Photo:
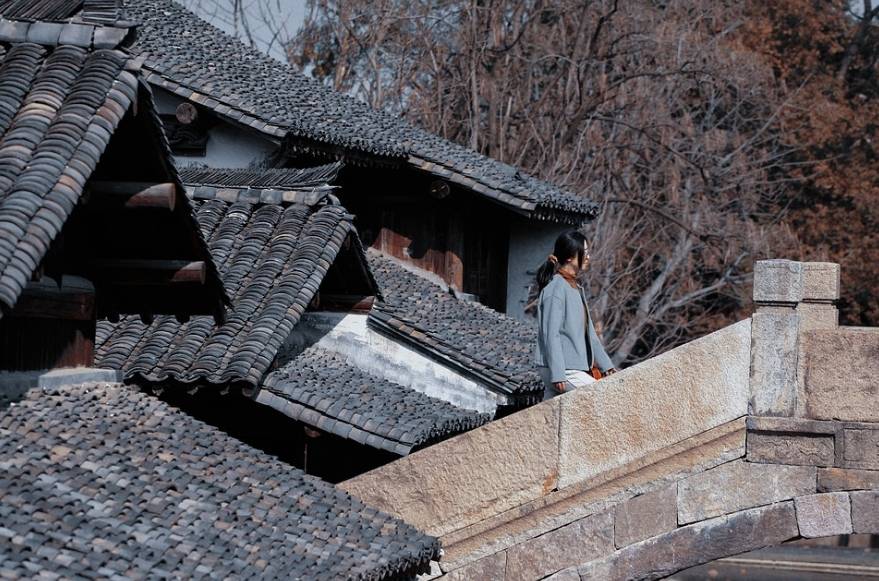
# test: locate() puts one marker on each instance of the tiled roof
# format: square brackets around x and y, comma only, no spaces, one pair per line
[270,186]
[106,481]
[322,389]
[101,11]
[58,110]
[199,62]
[272,259]
[489,346]
[276,178]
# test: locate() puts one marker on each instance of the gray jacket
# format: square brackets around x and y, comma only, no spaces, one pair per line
[561,331]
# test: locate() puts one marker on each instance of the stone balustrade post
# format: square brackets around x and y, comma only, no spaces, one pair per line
[790,298]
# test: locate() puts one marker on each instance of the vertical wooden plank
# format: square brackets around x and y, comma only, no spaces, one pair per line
[454,266]
[49,328]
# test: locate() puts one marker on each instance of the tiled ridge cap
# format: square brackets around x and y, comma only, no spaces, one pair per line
[322,389]
[63,33]
[306,196]
[237,113]
[387,322]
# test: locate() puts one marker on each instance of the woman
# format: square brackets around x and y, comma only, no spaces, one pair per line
[567,345]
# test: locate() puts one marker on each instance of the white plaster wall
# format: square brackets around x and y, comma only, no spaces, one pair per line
[227,146]
[366,349]
[530,243]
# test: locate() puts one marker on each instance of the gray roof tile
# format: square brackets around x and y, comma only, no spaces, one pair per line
[179,46]
[271,259]
[106,480]
[59,108]
[341,399]
[495,349]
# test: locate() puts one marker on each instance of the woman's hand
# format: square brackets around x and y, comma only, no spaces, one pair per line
[611,371]
[560,386]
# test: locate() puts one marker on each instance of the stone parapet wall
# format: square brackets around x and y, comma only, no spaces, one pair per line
[764,432]
[569,440]
[840,374]
[803,364]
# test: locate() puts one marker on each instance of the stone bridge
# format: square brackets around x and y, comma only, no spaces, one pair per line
[761,433]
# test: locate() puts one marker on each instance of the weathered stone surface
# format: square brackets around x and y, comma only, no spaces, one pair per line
[823,515]
[861,448]
[692,545]
[569,574]
[738,485]
[468,478]
[782,448]
[778,281]
[836,479]
[655,404]
[790,425]
[666,466]
[576,543]
[814,316]
[492,567]
[820,281]
[865,511]
[774,336]
[841,374]
[645,516]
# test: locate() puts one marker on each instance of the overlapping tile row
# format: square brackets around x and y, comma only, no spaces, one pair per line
[495,349]
[276,178]
[106,481]
[272,260]
[58,110]
[322,389]
[62,33]
[55,10]
[307,186]
[199,62]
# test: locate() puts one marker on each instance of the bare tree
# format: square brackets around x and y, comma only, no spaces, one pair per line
[647,107]
[867,15]
[268,25]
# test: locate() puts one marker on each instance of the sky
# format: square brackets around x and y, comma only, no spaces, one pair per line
[289,13]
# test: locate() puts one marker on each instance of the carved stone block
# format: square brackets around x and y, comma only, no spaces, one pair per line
[778,281]
[861,448]
[841,374]
[836,479]
[865,512]
[738,485]
[796,449]
[570,545]
[824,515]
[645,516]
[774,334]
[820,281]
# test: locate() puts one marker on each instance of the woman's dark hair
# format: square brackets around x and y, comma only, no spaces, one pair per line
[567,245]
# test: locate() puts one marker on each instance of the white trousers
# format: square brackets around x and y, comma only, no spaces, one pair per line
[574,378]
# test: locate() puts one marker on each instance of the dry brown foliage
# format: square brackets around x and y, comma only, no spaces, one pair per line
[645,108]
[714,132]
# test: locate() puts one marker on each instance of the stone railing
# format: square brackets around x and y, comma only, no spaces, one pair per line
[749,437]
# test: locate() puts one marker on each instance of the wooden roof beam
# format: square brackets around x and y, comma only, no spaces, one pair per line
[149,272]
[134,195]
